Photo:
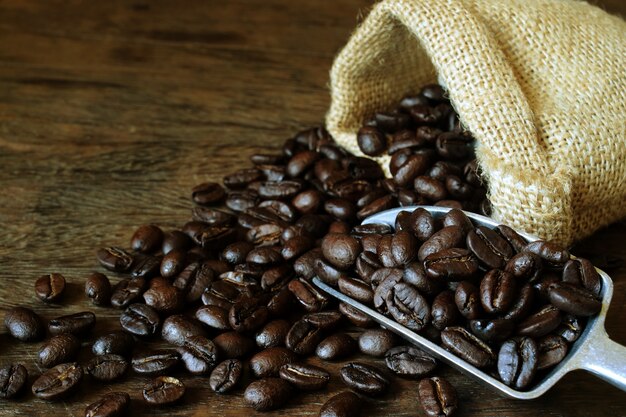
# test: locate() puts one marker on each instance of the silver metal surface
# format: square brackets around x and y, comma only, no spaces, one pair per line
[593,351]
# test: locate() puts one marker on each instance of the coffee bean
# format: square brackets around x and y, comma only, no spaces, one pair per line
[448,237]
[371,141]
[489,247]
[147,239]
[497,291]
[570,328]
[140,320]
[496,329]
[226,376]
[356,289]
[525,266]
[13,379]
[247,315]
[77,323]
[303,337]
[376,342]
[437,397]
[409,362]
[213,316]
[307,295]
[457,218]
[337,346]
[305,377]
[523,305]
[98,288]
[233,345]
[430,188]
[326,272]
[364,378]
[581,272]
[24,324]
[340,250]
[199,354]
[175,240]
[467,299]
[163,390]
[407,306]
[344,404]
[467,346]
[155,362]
[178,328]
[208,193]
[165,299]
[58,382]
[127,291]
[415,165]
[516,241]
[107,367]
[541,323]
[59,349]
[324,320]
[574,300]
[423,224]
[551,350]
[451,264]
[355,316]
[548,251]
[173,263]
[117,343]
[267,394]
[273,334]
[114,259]
[50,288]
[517,362]
[384,280]
[444,312]
[113,404]
[193,280]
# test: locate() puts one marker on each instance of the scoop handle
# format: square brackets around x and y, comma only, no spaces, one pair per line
[606,359]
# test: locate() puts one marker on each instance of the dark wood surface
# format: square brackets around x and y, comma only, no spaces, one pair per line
[110,111]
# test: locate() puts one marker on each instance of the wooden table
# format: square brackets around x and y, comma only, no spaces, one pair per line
[110,111]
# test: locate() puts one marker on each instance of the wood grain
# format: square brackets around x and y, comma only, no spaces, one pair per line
[111,111]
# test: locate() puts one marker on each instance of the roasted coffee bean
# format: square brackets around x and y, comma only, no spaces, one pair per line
[574,300]
[324,320]
[341,209]
[113,404]
[391,122]
[515,240]
[340,250]
[199,354]
[376,342]
[213,316]
[308,202]
[437,397]
[242,200]
[403,247]
[355,317]
[364,378]
[303,266]
[193,280]
[155,362]
[376,206]
[211,216]
[233,345]
[175,240]
[305,377]
[303,337]
[147,239]
[430,188]
[415,275]
[24,324]
[165,299]
[523,305]
[356,289]
[307,295]
[415,165]
[269,361]
[366,265]
[276,277]
[543,284]
[571,328]
[236,252]
[423,224]
[59,349]
[371,141]
[265,234]
[451,264]
[444,311]
[242,177]
[58,382]
[407,306]
[276,210]
[117,343]
[140,320]
[541,323]
[467,299]
[489,247]
[267,394]
[517,362]
[326,272]
[337,346]
[492,330]
[525,266]
[207,193]
[107,367]
[384,280]
[226,376]
[127,291]
[50,288]
[548,251]
[178,328]
[467,346]
[163,390]
[173,263]
[114,259]
[13,378]
[273,334]
[551,349]
[457,218]
[301,162]
[409,362]
[497,291]
[220,293]
[264,255]
[280,303]
[344,404]
[448,237]
[247,315]
[98,288]
[77,323]
[581,272]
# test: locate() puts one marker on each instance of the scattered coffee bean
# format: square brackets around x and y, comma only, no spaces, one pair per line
[13,378]
[113,404]
[337,346]
[77,323]
[116,343]
[50,288]
[226,376]
[147,239]
[59,349]
[24,324]
[409,362]
[377,342]
[344,404]
[58,382]
[305,377]
[364,378]
[98,288]
[269,361]
[437,397]
[163,390]
[267,394]
[156,362]
[107,367]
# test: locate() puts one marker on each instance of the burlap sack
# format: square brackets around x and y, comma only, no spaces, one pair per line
[540,83]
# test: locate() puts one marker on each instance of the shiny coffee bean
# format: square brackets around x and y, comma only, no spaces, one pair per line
[77,323]
[199,354]
[155,362]
[407,306]
[50,288]
[178,328]
[457,218]
[213,316]
[114,259]
[356,289]
[409,362]
[107,367]
[163,390]
[336,346]
[574,300]
[303,337]
[437,397]
[581,272]
[140,320]
[364,378]
[376,342]
[522,307]
[173,263]
[24,324]
[116,343]
[497,291]
[467,299]
[326,272]
[113,404]
[273,334]
[127,291]
[226,376]
[548,251]
[233,345]
[98,289]
[305,377]
[165,299]
[371,141]
[247,315]
[525,266]
[269,361]
[489,247]
[207,193]
[451,264]
[551,350]
[517,362]
[355,317]
[448,237]
[443,311]
[344,404]
[540,323]
[59,349]
[175,240]
[492,330]
[570,328]
[340,250]
[267,394]
[467,346]
[308,295]
[13,378]
[423,224]
[58,382]
[384,279]
[324,320]
[147,239]
[242,177]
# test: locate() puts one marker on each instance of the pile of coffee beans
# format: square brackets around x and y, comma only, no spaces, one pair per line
[231,291]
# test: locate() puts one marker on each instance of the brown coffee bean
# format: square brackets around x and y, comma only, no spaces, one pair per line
[208,193]
[213,316]
[355,317]
[147,239]
[517,362]
[371,141]
[496,329]
[550,252]
[233,345]
[551,350]
[163,390]
[340,250]
[344,404]
[364,378]
[50,288]
[409,362]
[582,272]
[376,342]
[267,394]
[356,289]
[437,397]
[467,346]
[489,247]
[305,377]
[173,263]
[155,362]
[114,259]
[140,320]
[574,300]
[444,311]
[107,367]
[307,295]
[58,382]
[117,343]
[273,334]
[59,349]
[541,323]
[448,237]
[303,337]
[451,264]
[467,299]
[336,346]
[178,328]
[113,404]
[226,376]
[98,289]
[24,324]
[423,224]
[77,323]
[497,291]
[13,378]
[165,299]
[127,291]
[199,354]
[247,315]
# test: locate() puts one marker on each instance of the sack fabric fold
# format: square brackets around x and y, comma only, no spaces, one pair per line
[541,85]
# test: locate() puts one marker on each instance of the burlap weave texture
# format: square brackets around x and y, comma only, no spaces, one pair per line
[541,84]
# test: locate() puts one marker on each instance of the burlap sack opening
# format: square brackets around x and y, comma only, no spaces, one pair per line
[541,84]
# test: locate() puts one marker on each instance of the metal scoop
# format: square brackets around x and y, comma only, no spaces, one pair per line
[593,351]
